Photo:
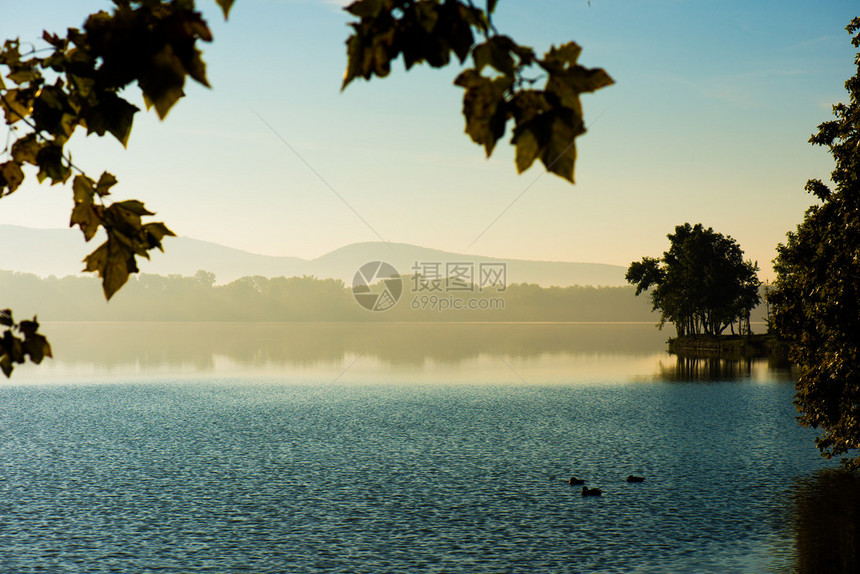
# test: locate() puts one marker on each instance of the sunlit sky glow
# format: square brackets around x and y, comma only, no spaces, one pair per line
[708,121]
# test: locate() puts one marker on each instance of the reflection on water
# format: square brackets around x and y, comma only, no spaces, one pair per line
[711,369]
[826,517]
[311,343]
[349,352]
[326,350]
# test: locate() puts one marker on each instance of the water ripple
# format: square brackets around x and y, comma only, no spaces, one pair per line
[199,477]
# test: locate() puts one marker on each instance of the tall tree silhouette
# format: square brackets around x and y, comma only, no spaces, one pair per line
[816,296]
[702,284]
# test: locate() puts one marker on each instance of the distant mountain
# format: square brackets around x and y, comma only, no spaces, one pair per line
[59,252]
[342,263]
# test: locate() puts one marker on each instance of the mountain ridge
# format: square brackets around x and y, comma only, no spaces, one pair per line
[60,252]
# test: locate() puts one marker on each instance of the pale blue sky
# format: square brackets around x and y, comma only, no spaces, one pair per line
[708,121]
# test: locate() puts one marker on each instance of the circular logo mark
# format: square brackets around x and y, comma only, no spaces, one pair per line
[377,286]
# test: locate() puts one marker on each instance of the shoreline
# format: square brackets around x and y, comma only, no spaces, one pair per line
[729,346]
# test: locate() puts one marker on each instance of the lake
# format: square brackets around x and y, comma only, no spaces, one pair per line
[408,448]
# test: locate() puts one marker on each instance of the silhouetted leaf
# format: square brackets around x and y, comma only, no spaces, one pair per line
[495,52]
[527,149]
[567,80]
[14,349]
[456,23]
[370,50]
[28,328]
[425,31]
[15,104]
[559,155]
[95,261]
[561,57]
[52,164]
[113,114]
[106,181]
[24,76]
[198,27]
[113,261]
[225,6]
[52,113]
[162,81]
[25,149]
[484,107]
[6,365]
[11,176]
[86,217]
[37,347]
[83,189]
[155,232]
[132,206]
[528,104]
[365,8]
[53,39]
[196,68]
[569,84]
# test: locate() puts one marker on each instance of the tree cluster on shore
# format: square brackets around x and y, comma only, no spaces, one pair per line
[702,284]
[198,298]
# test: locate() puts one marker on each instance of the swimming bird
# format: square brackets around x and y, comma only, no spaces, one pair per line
[591,491]
[632,478]
[575,481]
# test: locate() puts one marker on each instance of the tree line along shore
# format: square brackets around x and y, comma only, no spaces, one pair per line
[307,298]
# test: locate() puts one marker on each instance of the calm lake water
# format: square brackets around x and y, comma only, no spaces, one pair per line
[408,448]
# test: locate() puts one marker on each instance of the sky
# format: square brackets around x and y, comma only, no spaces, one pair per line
[708,122]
